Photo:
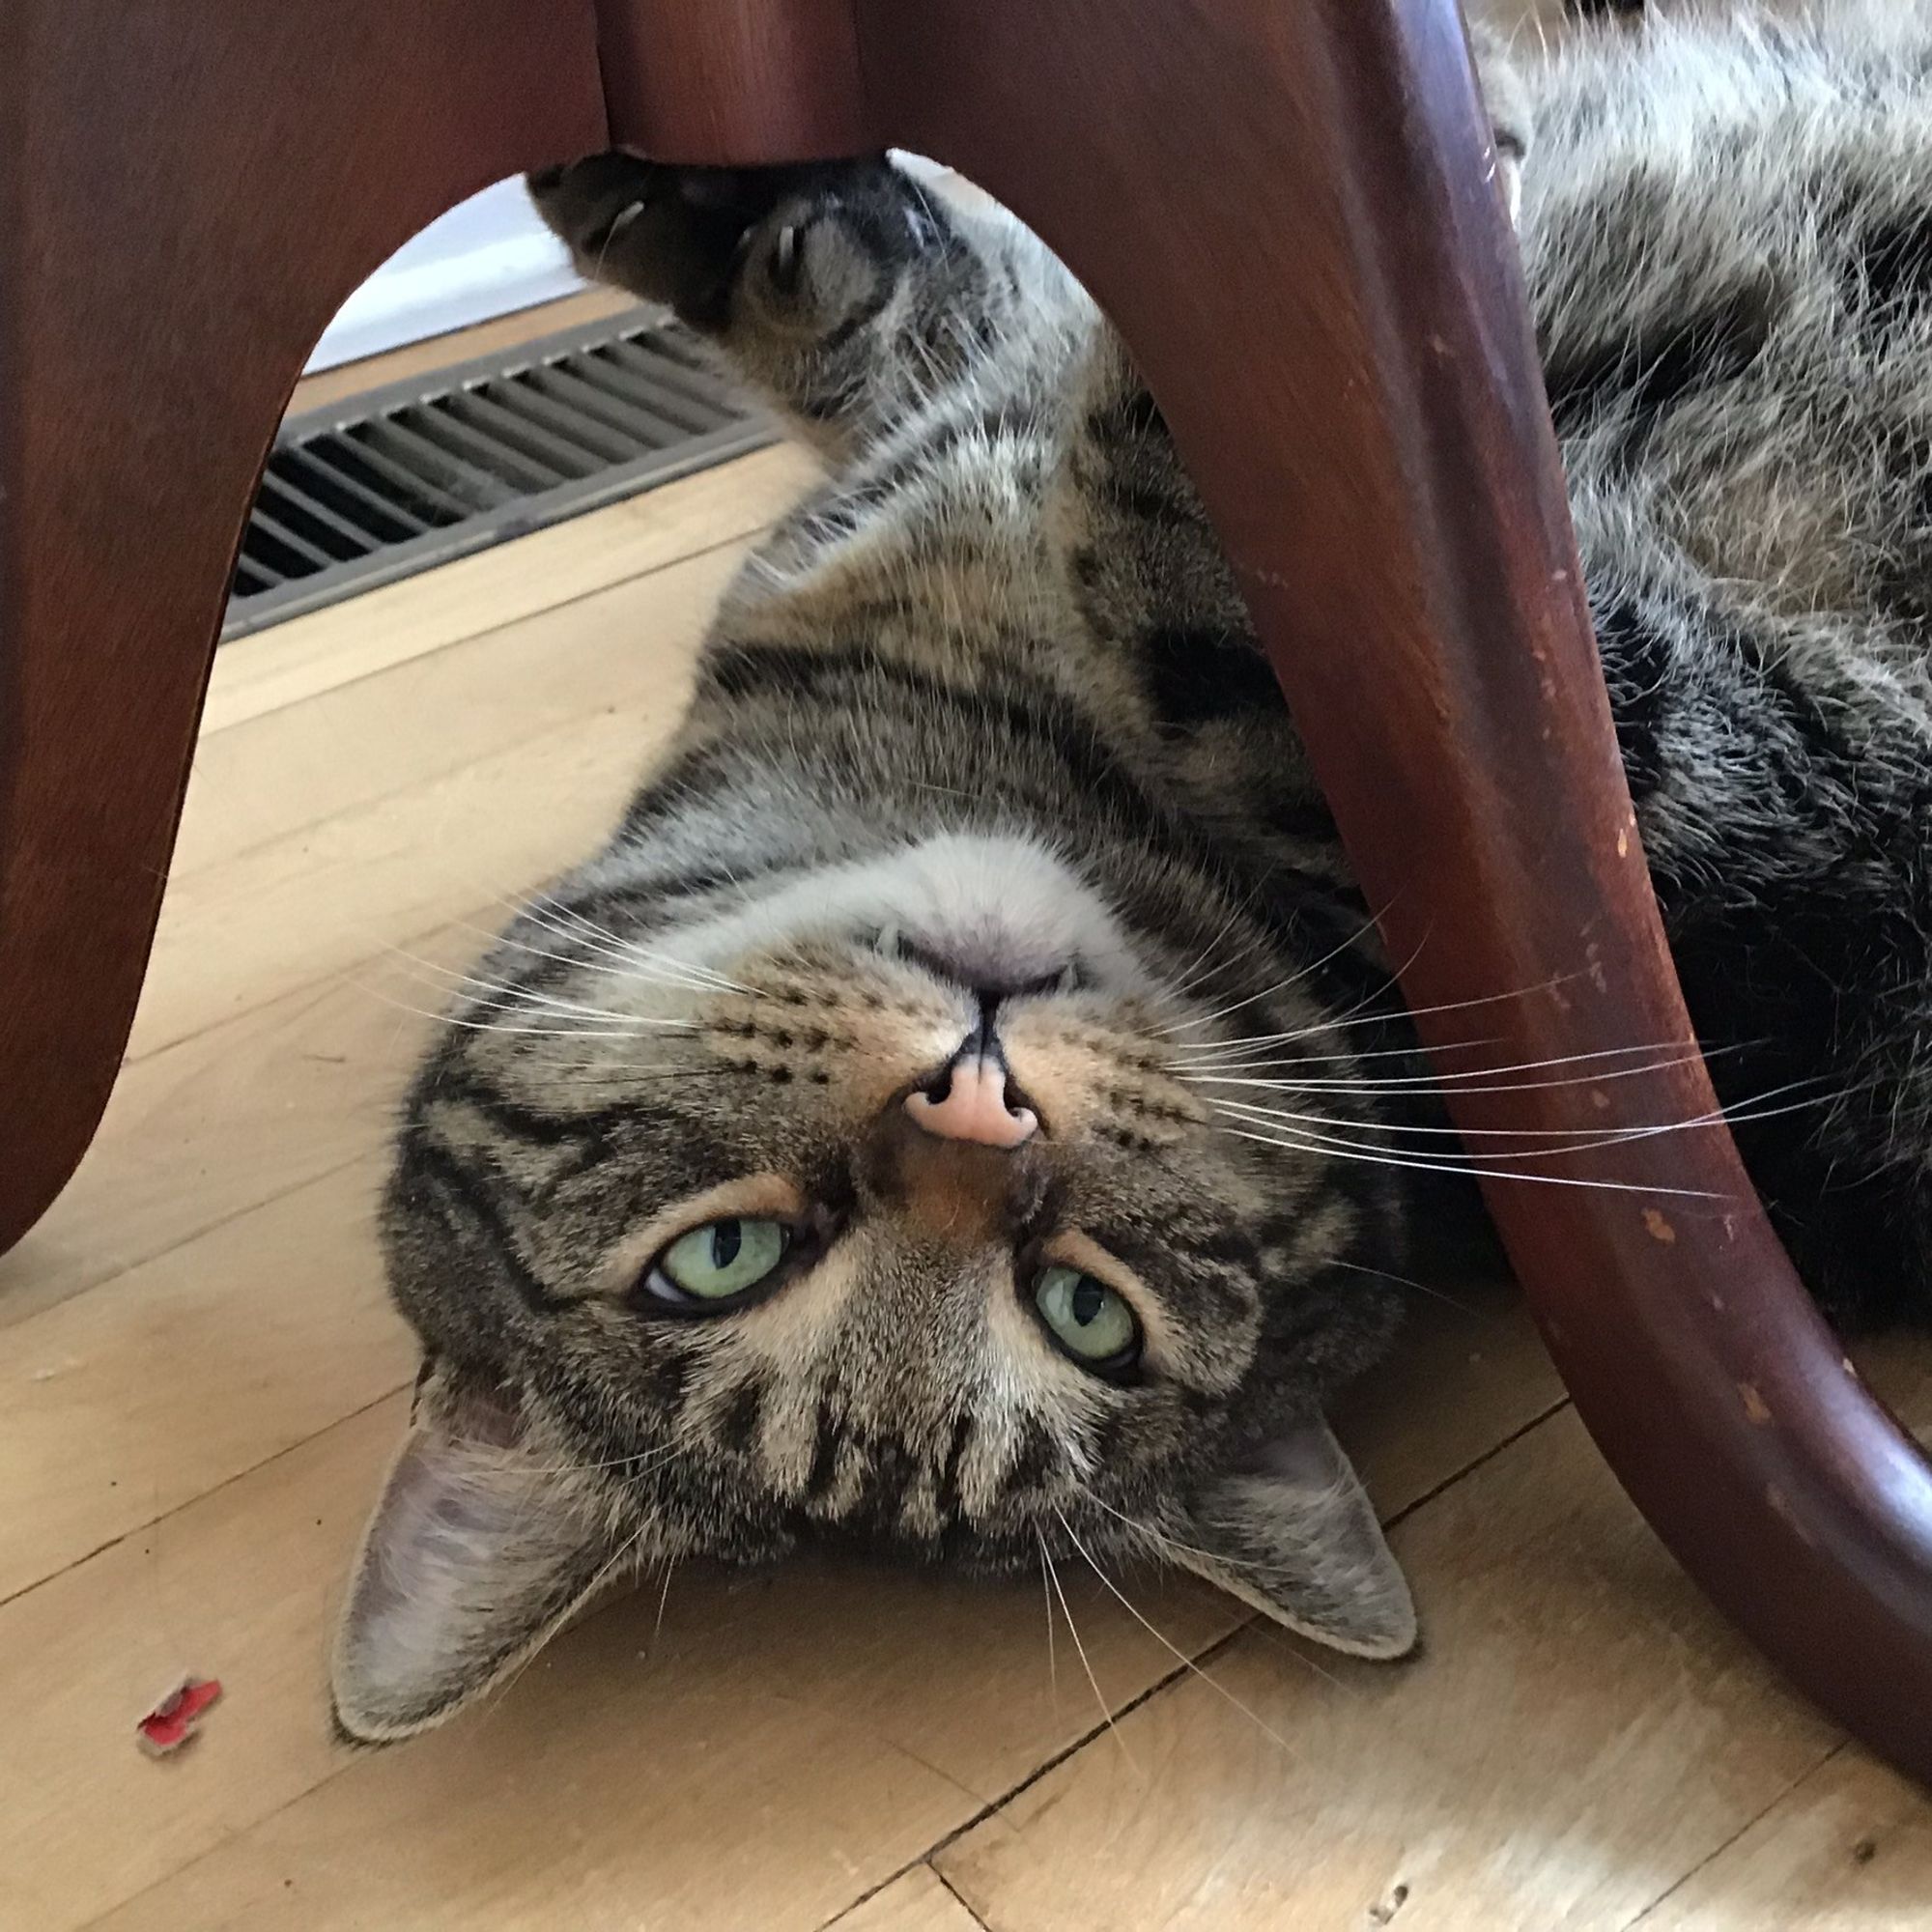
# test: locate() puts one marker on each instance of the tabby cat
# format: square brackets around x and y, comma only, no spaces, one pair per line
[963,1111]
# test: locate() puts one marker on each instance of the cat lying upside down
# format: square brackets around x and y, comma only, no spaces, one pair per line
[964,1111]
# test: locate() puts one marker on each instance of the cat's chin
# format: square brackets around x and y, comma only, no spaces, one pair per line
[983,910]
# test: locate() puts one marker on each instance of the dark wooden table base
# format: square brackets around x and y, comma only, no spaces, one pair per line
[1288,209]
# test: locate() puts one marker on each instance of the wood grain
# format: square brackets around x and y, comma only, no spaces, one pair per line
[736,80]
[1847,1850]
[408,861]
[374,736]
[192,187]
[917,1902]
[118,1408]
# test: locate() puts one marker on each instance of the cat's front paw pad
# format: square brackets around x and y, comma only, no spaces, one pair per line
[809,265]
[642,227]
[588,204]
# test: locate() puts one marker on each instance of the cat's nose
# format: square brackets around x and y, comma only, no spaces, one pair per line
[973,1100]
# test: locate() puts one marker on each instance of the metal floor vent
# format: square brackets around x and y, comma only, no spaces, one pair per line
[392,481]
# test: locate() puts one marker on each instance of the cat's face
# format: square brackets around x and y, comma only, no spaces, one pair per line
[870,1208]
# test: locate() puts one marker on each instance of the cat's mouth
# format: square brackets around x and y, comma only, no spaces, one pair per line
[990,964]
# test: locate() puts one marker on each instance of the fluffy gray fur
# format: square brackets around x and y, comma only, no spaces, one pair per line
[981,735]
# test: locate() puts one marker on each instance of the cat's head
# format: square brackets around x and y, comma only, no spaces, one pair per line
[869,1208]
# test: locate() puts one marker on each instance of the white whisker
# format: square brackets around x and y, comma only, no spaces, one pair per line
[635,1031]
[1074,1631]
[629,954]
[1207,1677]
[1321,1027]
[1166,1542]
[1420,1288]
[498,989]
[1300,973]
[663,1598]
[1687,1053]
[1567,1140]
[660,969]
[1349,1150]
[1052,1650]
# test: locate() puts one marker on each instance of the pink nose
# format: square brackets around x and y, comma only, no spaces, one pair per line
[974,1108]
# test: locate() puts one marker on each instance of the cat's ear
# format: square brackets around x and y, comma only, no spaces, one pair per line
[479,1548]
[1292,1533]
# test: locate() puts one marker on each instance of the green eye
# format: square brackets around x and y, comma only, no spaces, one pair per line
[1087,1318]
[719,1261]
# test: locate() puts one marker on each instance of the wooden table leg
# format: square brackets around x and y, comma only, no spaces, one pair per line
[187,190]
[1286,209]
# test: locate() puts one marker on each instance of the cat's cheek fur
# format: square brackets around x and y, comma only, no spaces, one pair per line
[481,1547]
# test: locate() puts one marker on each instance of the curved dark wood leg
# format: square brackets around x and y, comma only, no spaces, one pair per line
[187,190]
[1286,209]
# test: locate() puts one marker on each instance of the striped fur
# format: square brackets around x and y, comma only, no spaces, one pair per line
[985,712]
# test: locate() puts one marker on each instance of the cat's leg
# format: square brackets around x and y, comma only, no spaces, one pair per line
[843,291]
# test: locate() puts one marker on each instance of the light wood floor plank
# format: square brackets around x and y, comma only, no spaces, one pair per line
[221,1124]
[116,1408]
[1848,1850]
[236,1587]
[372,737]
[335,897]
[917,1902]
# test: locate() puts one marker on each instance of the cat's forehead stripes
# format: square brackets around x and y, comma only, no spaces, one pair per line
[918,774]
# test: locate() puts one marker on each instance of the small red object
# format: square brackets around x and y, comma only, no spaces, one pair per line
[171,1723]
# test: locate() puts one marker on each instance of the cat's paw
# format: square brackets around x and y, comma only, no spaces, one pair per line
[800,242]
[669,234]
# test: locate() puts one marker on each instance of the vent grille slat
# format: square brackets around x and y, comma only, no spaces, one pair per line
[547,459]
[686,376]
[655,395]
[312,520]
[382,519]
[498,467]
[644,427]
[357,452]
[423,472]
[433,464]
[278,537]
[577,428]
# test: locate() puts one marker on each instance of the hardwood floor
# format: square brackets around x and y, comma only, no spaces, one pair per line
[200,1382]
